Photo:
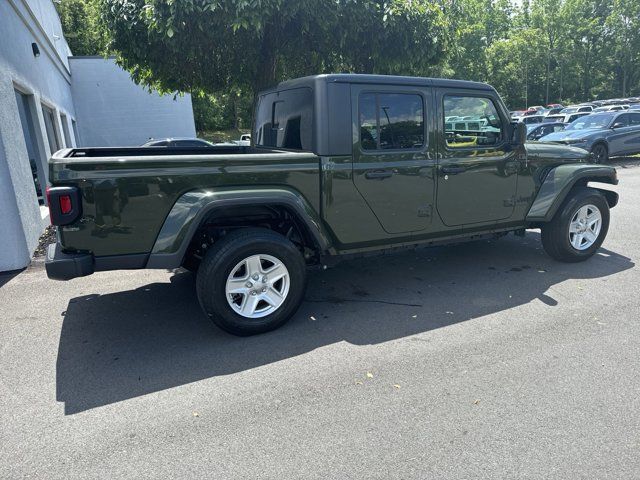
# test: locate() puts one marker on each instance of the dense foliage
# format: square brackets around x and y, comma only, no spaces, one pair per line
[532,51]
[83,30]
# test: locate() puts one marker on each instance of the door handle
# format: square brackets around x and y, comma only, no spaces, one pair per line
[378,174]
[453,170]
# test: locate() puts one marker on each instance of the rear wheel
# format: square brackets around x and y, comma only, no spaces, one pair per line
[600,153]
[578,228]
[251,281]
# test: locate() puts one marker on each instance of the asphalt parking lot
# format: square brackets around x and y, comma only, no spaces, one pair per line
[484,360]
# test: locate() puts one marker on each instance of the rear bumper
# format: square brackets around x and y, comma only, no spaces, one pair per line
[65,266]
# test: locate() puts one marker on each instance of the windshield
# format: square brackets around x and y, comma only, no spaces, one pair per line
[570,110]
[591,121]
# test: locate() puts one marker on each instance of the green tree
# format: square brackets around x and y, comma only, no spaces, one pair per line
[589,38]
[210,45]
[624,23]
[517,67]
[475,25]
[82,28]
[547,17]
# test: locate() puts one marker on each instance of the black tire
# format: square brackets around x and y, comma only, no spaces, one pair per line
[600,153]
[555,234]
[224,256]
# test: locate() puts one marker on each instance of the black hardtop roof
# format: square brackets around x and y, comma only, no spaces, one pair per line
[310,81]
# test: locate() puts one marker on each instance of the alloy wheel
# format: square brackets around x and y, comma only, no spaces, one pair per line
[585,227]
[257,286]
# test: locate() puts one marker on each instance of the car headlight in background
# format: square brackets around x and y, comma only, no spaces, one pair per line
[575,141]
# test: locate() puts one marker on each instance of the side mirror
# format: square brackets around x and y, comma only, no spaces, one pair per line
[518,133]
[617,125]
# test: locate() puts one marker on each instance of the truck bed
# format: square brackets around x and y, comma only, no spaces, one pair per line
[127,192]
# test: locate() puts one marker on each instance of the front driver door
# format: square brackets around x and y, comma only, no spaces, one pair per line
[393,168]
[477,170]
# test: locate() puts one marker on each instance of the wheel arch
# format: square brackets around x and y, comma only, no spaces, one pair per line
[561,180]
[600,141]
[195,209]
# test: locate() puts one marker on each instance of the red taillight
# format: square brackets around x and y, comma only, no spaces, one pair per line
[65,204]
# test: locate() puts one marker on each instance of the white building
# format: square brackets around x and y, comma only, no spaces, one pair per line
[50,100]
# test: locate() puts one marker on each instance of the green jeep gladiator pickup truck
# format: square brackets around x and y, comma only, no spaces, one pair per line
[340,165]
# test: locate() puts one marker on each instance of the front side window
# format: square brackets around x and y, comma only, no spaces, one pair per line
[621,121]
[634,119]
[284,119]
[391,121]
[483,126]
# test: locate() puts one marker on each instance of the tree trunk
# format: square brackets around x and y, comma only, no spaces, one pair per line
[546,97]
[266,68]
[234,107]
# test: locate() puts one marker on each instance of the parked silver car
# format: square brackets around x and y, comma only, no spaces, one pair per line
[535,131]
[565,118]
[576,109]
[528,120]
[605,134]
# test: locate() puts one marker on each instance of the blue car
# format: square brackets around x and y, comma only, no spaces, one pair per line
[537,131]
[605,134]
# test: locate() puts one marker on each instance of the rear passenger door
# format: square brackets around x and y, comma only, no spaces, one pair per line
[393,168]
[634,138]
[477,170]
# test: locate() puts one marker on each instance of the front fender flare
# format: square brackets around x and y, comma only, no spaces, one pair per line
[559,181]
[192,207]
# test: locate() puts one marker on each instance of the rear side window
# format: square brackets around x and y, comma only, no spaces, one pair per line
[485,128]
[391,121]
[285,120]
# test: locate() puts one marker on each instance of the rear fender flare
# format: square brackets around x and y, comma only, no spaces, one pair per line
[559,182]
[193,207]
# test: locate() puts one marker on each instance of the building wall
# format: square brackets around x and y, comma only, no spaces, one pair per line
[44,79]
[88,101]
[112,110]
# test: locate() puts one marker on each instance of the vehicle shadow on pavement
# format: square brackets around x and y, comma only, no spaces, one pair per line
[6,277]
[119,346]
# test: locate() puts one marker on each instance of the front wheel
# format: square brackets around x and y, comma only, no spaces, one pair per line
[600,153]
[578,228]
[251,281]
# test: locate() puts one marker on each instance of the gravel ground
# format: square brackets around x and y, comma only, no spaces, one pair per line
[486,360]
[47,237]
